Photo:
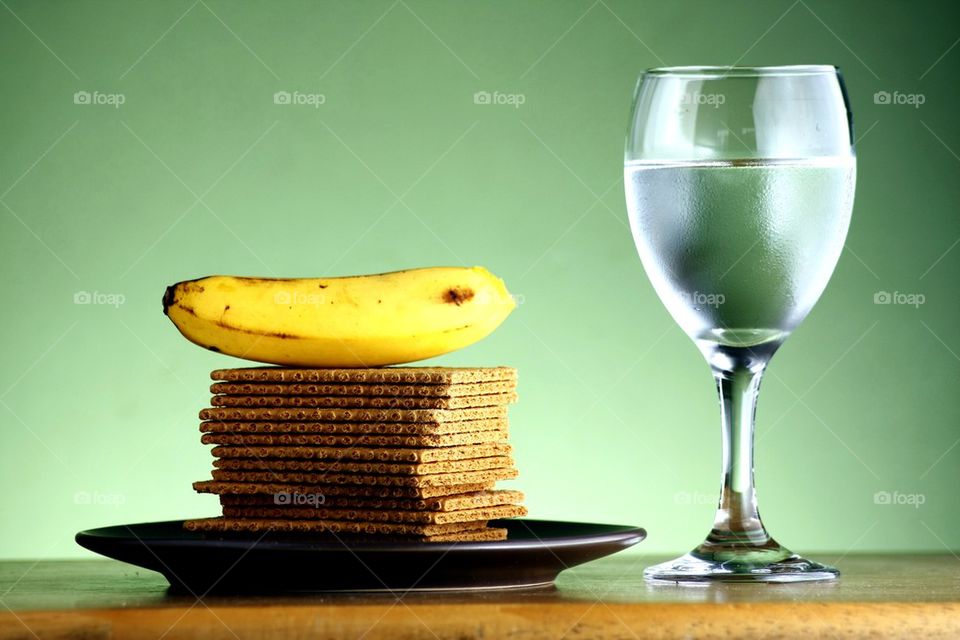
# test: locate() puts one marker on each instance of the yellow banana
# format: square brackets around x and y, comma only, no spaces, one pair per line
[358,321]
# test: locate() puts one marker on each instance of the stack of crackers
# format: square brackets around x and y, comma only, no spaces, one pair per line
[408,453]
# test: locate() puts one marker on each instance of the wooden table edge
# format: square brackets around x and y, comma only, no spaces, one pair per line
[536,620]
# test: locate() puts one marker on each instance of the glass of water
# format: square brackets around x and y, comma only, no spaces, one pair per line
[739,183]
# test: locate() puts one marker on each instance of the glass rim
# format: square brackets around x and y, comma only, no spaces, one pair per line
[743,72]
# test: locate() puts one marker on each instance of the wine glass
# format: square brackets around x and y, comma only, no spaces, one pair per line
[739,183]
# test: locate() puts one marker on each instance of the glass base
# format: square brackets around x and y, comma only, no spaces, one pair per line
[739,567]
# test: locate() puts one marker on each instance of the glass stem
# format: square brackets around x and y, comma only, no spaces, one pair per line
[737,524]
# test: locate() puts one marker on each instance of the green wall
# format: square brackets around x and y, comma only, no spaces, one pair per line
[199,172]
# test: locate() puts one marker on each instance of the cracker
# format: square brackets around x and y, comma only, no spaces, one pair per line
[471,500]
[261,525]
[363,390]
[357,539]
[448,440]
[435,416]
[475,535]
[480,535]
[378,375]
[344,491]
[379,454]
[377,515]
[364,428]
[284,476]
[388,468]
[363,402]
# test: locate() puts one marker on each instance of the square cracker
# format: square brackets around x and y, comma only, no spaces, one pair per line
[362,402]
[344,491]
[479,535]
[448,440]
[379,454]
[347,428]
[455,502]
[485,534]
[474,535]
[376,375]
[376,515]
[434,416]
[261,525]
[306,389]
[351,466]
[284,476]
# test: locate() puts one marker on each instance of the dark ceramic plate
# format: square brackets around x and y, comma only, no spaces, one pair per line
[534,552]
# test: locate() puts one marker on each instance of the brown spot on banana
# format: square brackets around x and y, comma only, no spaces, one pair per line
[187,286]
[229,327]
[191,286]
[254,332]
[466,326]
[458,295]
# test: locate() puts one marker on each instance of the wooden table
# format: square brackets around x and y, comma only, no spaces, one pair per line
[899,596]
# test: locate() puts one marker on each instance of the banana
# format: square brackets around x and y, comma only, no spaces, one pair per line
[357,321]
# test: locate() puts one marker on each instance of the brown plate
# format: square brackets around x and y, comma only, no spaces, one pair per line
[533,554]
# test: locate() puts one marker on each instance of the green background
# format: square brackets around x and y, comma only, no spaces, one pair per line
[199,172]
